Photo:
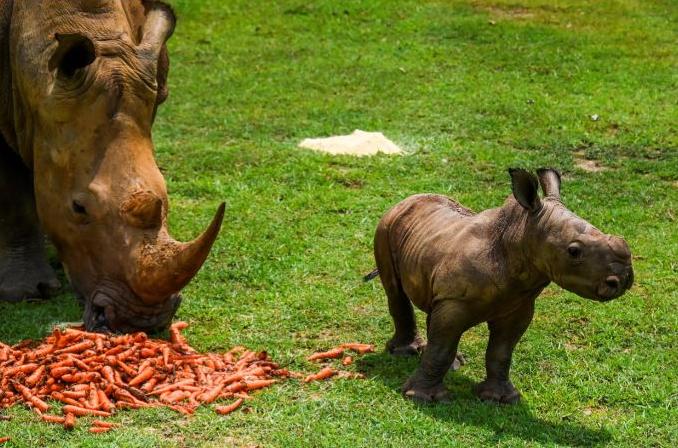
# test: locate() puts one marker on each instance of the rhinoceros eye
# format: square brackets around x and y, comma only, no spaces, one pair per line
[574,251]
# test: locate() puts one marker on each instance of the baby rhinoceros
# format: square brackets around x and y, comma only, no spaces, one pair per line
[463,268]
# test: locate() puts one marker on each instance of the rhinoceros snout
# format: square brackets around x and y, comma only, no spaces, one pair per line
[615,285]
[117,309]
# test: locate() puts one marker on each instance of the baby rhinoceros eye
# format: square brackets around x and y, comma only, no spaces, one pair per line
[574,251]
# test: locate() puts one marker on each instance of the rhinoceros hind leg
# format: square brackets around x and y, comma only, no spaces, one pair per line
[406,340]
[24,270]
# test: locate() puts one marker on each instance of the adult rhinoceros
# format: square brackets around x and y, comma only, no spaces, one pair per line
[80,82]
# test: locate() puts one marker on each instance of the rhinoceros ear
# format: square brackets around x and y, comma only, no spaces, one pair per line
[550,182]
[525,189]
[159,26]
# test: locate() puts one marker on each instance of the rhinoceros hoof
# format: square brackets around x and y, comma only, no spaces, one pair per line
[426,394]
[21,282]
[398,347]
[498,391]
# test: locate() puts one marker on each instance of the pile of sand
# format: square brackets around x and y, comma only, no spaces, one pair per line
[359,143]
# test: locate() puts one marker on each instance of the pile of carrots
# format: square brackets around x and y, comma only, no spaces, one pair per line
[336,353]
[91,374]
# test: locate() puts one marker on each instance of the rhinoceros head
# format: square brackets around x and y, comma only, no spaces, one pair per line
[88,77]
[567,249]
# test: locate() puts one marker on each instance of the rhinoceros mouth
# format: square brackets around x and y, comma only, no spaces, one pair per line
[114,308]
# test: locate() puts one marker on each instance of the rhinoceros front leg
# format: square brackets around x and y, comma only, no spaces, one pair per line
[24,271]
[504,335]
[446,323]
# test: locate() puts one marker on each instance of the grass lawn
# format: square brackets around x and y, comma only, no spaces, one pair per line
[469,88]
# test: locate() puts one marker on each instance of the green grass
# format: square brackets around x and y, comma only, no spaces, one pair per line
[469,88]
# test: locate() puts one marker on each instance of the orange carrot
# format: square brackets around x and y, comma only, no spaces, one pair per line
[175,333]
[210,395]
[149,385]
[177,395]
[360,348]
[69,421]
[223,410]
[323,374]
[93,399]
[127,369]
[236,387]
[75,393]
[104,424]
[104,402]
[165,355]
[36,376]
[147,352]
[258,384]
[98,429]
[53,418]
[80,377]
[77,348]
[99,342]
[330,354]
[347,361]
[26,368]
[58,372]
[107,372]
[28,396]
[5,439]
[179,325]
[169,387]
[142,377]
[81,412]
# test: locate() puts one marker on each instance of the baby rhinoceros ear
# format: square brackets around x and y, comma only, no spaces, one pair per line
[525,189]
[550,182]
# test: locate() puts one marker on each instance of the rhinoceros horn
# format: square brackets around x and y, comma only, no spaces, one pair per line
[165,266]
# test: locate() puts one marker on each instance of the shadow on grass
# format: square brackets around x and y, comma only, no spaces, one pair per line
[34,319]
[465,409]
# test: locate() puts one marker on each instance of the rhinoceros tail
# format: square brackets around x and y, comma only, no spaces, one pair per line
[371,276]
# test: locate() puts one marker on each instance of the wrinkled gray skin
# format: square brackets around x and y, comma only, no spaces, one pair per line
[463,269]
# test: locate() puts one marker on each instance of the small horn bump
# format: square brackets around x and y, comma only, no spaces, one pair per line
[142,209]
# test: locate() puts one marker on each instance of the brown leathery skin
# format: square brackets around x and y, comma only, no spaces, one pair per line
[84,79]
[464,268]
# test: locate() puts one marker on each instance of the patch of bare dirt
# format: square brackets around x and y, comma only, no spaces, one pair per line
[588,165]
[498,12]
[508,12]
